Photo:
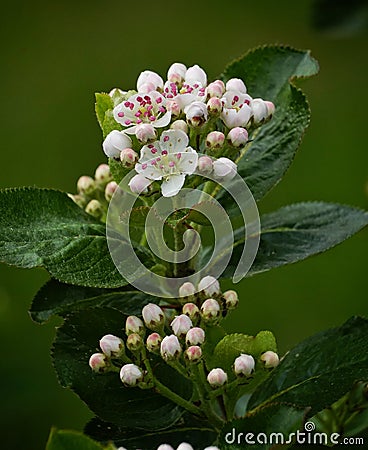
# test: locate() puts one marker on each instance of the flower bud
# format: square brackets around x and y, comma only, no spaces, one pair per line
[215,139]
[153,342]
[165,447]
[98,362]
[195,336]
[115,142]
[214,106]
[128,158]
[231,299]
[209,285]
[224,169]
[149,80]
[185,446]
[176,73]
[260,111]
[174,107]
[179,125]
[139,184]
[191,310]
[133,324]
[217,377]
[205,165]
[170,347]
[130,374]
[187,289]
[181,325]
[153,316]
[193,353]
[270,359]
[145,132]
[134,342]
[94,208]
[210,309]
[112,346]
[244,365]
[215,89]
[211,448]
[103,174]
[86,185]
[110,190]
[196,113]
[270,108]
[235,84]
[238,137]
[196,74]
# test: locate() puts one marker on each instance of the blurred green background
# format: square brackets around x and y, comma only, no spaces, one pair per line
[55,55]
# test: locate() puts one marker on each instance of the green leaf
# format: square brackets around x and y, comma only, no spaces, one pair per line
[319,370]
[256,431]
[110,124]
[117,170]
[298,231]
[72,440]
[104,394]
[61,299]
[268,73]
[45,228]
[192,430]
[103,103]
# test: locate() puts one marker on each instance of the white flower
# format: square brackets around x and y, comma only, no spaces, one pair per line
[170,347]
[236,111]
[236,84]
[259,111]
[181,325]
[231,299]
[145,132]
[169,159]
[244,365]
[217,377]
[112,345]
[128,158]
[210,309]
[209,285]
[205,165]
[153,342]
[196,74]
[142,109]
[130,374]
[165,447]
[193,353]
[224,169]
[134,324]
[149,81]
[191,310]
[115,142]
[187,289]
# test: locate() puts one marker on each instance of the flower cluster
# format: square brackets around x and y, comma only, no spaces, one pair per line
[174,120]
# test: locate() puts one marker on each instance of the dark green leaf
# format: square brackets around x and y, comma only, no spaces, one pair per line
[319,370]
[105,395]
[59,298]
[72,440]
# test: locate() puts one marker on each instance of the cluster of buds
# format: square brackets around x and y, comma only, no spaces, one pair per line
[182,446]
[95,193]
[173,119]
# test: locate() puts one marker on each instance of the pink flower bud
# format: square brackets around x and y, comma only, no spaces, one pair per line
[191,310]
[231,299]
[210,309]
[217,377]
[196,113]
[235,84]
[94,208]
[115,142]
[128,158]
[86,185]
[181,325]
[244,365]
[145,132]
[179,125]
[139,184]
[133,324]
[153,342]
[185,446]
[270,108]
[193,353]
[149,79]
[170,347]
[174,107]
[215,139]
[110,190]
[195,336]
[259,111]
[176,73]
[196,74]
[134,342]
[165,447]
[224,169]
[238,136]
[112,346]
[270,359]
[211,448]
[205,165]
[153,316]
[214,106]
[130,374]
[209,285]
[103,174]
[186,289]
[98,362]
[215,89]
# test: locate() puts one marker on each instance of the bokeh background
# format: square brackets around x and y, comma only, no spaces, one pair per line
[55,55]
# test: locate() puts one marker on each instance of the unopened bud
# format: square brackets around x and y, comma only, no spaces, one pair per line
[134,324]
[174,107]
[215,140]
[179,125]
[231,299]
[224,169]
[244,365]
[86,185]
[205,165]
[153,316]
[191,310]
[130,374]
[209,285]
[212,448]
[165,447]
[187,289]
[94,208]
[270,359]
[181,325]
[210,309]
[193,353]
[112,346]
[115,142]
[270,108]
[110,190]
[196,74]
[196,113]
[185,446]
[128,158]
[145,132]
[139,184]
[215,89]
[149,81]
[238,137]
[235,84]
[259,111]
[214,106]
[170,347]
[217,377]
[98,362]
[153,342]
[134,342]
[103,174]
[195,336]
[176,73]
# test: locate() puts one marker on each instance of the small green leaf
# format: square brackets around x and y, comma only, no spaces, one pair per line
[72,440]
[103,103]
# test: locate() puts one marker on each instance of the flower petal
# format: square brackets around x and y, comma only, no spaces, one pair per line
[162,121]
[174,141]
[172,185]
[188,161]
